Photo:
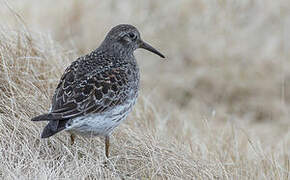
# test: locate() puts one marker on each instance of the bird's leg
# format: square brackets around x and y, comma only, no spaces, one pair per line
[72,138]
[107,142]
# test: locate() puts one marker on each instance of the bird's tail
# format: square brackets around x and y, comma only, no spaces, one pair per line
[45,117]
[52,128]
[55,125]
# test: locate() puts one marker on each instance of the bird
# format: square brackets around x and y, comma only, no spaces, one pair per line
[98,90]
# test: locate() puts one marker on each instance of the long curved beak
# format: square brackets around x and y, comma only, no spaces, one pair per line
[146,46]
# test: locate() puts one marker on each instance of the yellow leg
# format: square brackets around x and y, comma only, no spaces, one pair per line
[107,142]
[72,138]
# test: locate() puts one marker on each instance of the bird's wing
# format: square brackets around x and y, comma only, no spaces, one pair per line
[78,95]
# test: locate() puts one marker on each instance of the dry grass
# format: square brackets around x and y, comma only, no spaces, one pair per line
[218,108]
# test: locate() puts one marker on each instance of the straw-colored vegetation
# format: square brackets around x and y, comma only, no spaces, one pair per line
[217,108]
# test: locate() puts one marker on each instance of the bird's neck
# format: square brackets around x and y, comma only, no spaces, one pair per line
[117,50]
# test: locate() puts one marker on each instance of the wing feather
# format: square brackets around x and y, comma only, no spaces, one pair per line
[80,94]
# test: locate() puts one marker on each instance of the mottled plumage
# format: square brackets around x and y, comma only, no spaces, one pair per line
[97,91]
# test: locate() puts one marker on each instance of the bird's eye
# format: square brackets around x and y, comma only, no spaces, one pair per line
[132,36]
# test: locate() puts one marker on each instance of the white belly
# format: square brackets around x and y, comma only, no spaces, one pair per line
[100,124]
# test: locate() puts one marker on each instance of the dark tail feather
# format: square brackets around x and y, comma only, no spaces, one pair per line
[45,117]
[52,128]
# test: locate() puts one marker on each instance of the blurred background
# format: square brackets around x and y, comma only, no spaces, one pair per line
[227,61]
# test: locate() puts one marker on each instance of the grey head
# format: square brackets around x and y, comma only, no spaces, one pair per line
[125,39]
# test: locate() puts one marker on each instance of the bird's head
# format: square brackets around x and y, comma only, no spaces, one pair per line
[126,39]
